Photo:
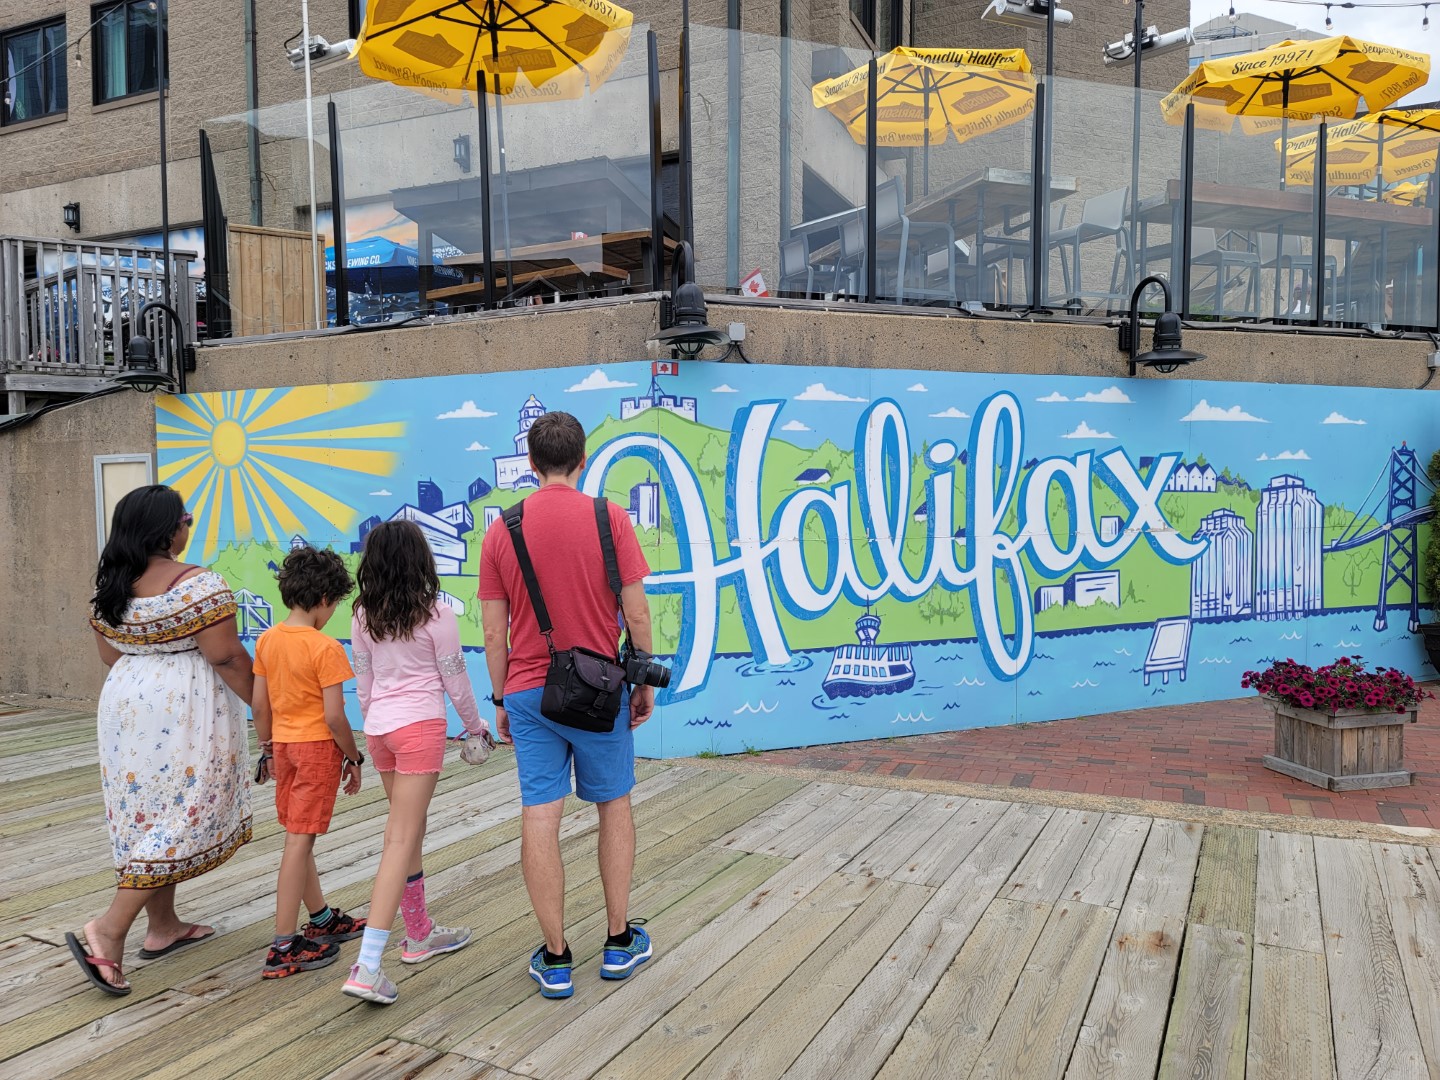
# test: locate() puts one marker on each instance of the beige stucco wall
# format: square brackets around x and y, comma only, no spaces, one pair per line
[47,529]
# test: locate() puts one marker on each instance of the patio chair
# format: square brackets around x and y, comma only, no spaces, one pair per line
[1284,257]
[1102,216]
[891,222]
[1230,267]
[796,273]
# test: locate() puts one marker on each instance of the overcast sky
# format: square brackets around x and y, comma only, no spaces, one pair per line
[1392,26]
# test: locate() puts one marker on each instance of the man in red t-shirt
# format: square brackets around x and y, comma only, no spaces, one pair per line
[564,545]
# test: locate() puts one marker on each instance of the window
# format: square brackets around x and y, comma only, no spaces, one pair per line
[357,17]
[126,58]
[880,19]
[116,475]
[32,72]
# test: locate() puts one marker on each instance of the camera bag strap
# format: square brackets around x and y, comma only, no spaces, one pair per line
[513,517]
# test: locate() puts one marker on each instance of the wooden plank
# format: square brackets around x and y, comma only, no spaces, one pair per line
[773,1035]
[936,861]
[1041,876]
[1289,1016]
[1412,896]
[455,1067]
[953,1027]
[1375,1031]
[45,762]
[580,1048]
[1125,1024]
[120,1027]
[1036,1031]
[1102,876]
[755,834]
[830,815]
[699,1023]
[1287,897]
[1225,879]
[384,1061]
[910,834]
[866,1028]
[1206,1033]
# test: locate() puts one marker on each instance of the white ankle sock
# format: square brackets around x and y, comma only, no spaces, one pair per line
[371,946]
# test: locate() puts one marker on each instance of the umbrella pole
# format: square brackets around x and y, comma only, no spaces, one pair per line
[487,246]
[925,120]
[504,181]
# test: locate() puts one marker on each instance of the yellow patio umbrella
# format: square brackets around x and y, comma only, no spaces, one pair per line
[1407,193]
[1391,145]
[921,94]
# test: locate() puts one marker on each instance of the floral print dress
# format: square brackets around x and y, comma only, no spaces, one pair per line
[174,757]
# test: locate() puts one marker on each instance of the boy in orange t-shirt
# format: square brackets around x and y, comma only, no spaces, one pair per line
[306,744]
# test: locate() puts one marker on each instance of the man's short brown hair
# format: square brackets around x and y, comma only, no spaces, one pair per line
[557,444]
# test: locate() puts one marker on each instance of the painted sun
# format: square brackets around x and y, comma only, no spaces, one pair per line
[258,461]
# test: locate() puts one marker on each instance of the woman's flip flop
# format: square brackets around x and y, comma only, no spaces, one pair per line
[91,965]
[187,938]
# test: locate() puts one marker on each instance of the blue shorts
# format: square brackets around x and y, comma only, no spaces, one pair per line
[604,762]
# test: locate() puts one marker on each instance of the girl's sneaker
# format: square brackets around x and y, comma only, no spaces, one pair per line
[441,940]
[340,928]
[370,985]
[554,979]
[302,954]
[618,961]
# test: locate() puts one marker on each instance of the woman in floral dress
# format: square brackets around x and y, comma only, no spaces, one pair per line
[173,752]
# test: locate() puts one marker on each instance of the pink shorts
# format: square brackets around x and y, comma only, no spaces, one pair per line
[413,749]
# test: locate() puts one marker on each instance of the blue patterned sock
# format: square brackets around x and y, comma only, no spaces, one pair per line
[371,946]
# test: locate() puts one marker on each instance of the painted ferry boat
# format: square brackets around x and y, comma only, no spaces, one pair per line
[868,669]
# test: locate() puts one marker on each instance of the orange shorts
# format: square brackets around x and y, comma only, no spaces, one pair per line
[307,778]
[415,749]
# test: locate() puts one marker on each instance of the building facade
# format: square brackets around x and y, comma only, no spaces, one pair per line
[1222,581]
[1289,576]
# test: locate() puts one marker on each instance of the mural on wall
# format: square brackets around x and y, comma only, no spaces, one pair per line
[842,554]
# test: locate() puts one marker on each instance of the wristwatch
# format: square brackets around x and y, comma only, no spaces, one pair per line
[497,700]
[358,763]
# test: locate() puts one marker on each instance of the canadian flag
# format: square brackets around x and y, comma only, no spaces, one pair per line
[752,284]
[665,367]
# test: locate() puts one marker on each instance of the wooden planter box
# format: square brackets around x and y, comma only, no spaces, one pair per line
[1343,751]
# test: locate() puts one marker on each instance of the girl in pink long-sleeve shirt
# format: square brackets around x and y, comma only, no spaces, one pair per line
[406,646]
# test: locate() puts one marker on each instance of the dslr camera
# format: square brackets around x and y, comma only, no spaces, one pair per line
[642,669]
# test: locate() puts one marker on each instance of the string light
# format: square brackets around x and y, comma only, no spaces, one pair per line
[1328,24]
[1425,22]
[1233,16]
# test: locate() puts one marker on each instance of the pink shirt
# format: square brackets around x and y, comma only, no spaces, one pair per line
[402,682]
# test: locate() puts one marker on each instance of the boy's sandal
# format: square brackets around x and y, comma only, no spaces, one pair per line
[91,965]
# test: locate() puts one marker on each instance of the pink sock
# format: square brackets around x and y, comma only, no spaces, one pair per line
[412,909]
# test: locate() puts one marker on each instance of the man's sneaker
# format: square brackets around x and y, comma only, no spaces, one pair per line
[554,979]
[302,954]
[442,940]
[370,985]
[617,962]
[341,928]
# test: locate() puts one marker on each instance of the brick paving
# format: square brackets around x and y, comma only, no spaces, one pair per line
[1203,755]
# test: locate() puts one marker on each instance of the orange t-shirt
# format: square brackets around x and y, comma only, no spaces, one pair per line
[297,663]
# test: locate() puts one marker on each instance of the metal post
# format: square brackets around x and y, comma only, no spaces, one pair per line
[162,74]
[734,82]
[1432,200]
[1050,39]
[310,152]
[252,105]
[337,219]
[1317,251]
[1039,256]
[785,119]
[687,191]
[1187,209]
[871,163]
[1043,298]
[1135,256]
[657,229]
[487,248]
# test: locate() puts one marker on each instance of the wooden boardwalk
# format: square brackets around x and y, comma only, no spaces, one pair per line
[802,929]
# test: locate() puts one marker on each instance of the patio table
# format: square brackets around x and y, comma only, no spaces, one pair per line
[606,259]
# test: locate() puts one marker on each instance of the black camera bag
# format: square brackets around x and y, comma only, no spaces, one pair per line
[583,689]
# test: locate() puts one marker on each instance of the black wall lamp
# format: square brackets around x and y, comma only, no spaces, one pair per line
[462,152]
[1167,352]
[141,372]
[682,313]
[71,213]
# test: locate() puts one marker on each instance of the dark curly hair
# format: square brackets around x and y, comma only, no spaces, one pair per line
[398,583]
[309,578]
[144,523]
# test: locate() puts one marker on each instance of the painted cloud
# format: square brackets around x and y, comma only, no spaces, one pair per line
[1053,397]
[382,493]
[1111,395]
[476,446]
[818,391]
[597,380]
[794,425]
[1085,431]
[951,413]
[468,411]
[918,388]
[1336,418]
[723,388]
[1205,411]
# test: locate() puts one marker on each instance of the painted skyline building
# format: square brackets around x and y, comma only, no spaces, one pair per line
[1289,576]
[512,472]
[1222,581]
[657,399]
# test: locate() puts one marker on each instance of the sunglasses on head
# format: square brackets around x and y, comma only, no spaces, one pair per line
[187,518]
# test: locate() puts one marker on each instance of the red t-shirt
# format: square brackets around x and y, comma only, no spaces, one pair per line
[564,545]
